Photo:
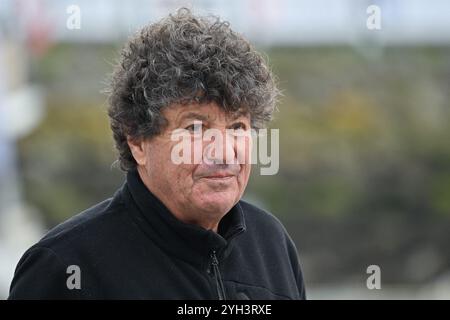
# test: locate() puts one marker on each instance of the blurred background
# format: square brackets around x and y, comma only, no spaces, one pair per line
[364,173]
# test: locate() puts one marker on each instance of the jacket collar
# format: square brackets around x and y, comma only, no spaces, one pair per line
[188,242]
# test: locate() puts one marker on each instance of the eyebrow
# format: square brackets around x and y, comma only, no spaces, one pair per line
[198,116]
[192,115]
[237,114]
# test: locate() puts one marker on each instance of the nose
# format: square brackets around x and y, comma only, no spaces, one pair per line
[220,148]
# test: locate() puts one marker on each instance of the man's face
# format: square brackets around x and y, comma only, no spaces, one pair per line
[200,190]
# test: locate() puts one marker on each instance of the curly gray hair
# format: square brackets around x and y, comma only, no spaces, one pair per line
[181,59]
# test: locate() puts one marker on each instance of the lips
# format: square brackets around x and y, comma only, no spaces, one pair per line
[217,171]
[219,176]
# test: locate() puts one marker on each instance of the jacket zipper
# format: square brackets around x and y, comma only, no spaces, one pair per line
[219,284]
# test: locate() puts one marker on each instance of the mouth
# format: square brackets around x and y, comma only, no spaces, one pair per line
[217,173]
[219,177]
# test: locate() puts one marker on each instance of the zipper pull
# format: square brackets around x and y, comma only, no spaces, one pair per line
[215,262]
[219,284]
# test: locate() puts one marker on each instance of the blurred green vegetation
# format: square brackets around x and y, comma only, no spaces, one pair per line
[361,135]
[71,165]
[364,151]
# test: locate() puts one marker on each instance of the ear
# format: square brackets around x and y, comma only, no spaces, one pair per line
[138,148]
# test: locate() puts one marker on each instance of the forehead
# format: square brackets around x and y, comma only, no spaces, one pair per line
[205,112]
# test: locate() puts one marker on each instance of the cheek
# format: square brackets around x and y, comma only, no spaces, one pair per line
[164,170]
[184,173]
[197,147]
[243,151]
[178,174]
[243,148]
[244,174]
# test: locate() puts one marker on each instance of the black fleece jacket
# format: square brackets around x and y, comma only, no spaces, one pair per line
[132,247]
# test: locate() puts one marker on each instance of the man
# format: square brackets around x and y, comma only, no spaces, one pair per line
[175,230]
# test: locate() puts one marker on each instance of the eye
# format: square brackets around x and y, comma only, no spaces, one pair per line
[238,125]
[196,127]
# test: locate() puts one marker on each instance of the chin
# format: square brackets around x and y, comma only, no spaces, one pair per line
[216,202]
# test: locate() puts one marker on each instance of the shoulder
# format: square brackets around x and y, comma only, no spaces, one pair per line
[91,226]
[263,227]
[261,219]
[265,231]
[42,270]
